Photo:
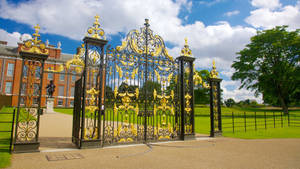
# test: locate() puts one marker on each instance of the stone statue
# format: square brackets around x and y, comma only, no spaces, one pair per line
[50,89]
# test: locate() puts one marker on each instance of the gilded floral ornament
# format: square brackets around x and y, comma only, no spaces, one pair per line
[59,69]
[92,107]
[77,62]
[186,51]
[136,42]
[34,45]
[198,80]
[95,31]
[213,72]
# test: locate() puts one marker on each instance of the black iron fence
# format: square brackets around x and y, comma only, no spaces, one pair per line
[246,121]
[7,120]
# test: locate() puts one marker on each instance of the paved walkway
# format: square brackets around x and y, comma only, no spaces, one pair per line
[206,153]
[55,131]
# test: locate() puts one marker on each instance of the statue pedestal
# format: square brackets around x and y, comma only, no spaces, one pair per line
[50,104]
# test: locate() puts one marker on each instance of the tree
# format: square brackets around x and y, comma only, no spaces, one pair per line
[229,102]
[269,65]
[150,86]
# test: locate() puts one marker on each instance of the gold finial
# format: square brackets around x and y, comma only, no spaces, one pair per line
[213,72]
[186,42]
[37,28]
[186,51]
[97,20]
[34,45]
[95,31]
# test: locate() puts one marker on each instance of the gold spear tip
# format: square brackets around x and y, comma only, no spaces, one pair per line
[214,63]
[186,42]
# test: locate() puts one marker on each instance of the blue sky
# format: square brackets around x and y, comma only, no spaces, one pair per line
[216,29]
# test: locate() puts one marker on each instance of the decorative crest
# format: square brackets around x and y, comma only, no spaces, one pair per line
[95,31]
[213,72]
[186,51]
[136,42]
[34,45]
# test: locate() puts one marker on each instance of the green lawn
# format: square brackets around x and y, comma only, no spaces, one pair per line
[202,123]
[64,110]
[4,154]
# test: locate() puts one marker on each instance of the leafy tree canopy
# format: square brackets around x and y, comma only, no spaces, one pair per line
[269,65]
[229,102]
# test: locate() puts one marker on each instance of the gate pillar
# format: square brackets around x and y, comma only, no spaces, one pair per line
[93,87]
[33,54]
[187,123]
[215,103]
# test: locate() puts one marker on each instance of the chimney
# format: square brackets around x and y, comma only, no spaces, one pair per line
[4,43]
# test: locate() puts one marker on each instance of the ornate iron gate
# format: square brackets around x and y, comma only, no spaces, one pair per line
[77,112]
[34,54]
[141,91]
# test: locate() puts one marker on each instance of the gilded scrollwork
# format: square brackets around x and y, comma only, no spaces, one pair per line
[91,131]
[142,88]
[186,51]
[213,72]
[126,132]
[136,41]
[215,106]
[76,62]
[35,45]
[27,124]
[95,31]
[198,80]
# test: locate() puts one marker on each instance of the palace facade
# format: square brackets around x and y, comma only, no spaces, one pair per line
[10,73]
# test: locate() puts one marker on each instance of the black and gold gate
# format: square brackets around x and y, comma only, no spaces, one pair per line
[142,91]
[135,93]
[34,54]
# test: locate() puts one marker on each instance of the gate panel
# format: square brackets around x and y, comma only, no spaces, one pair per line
[77,112]
[164,98]
[122,119]
[141,95]
[92,89]
[34,54]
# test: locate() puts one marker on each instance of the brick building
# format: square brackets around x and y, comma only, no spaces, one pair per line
[10,72]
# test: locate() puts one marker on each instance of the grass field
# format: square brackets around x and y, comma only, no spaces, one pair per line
[202,122]
[4,153]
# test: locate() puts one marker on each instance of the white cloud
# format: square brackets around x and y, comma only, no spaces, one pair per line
[185,3]
[71,18]
[267,18]
[11,38]
[210,3]
[232,13]
[270,4]
[236,93]
[228,72]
